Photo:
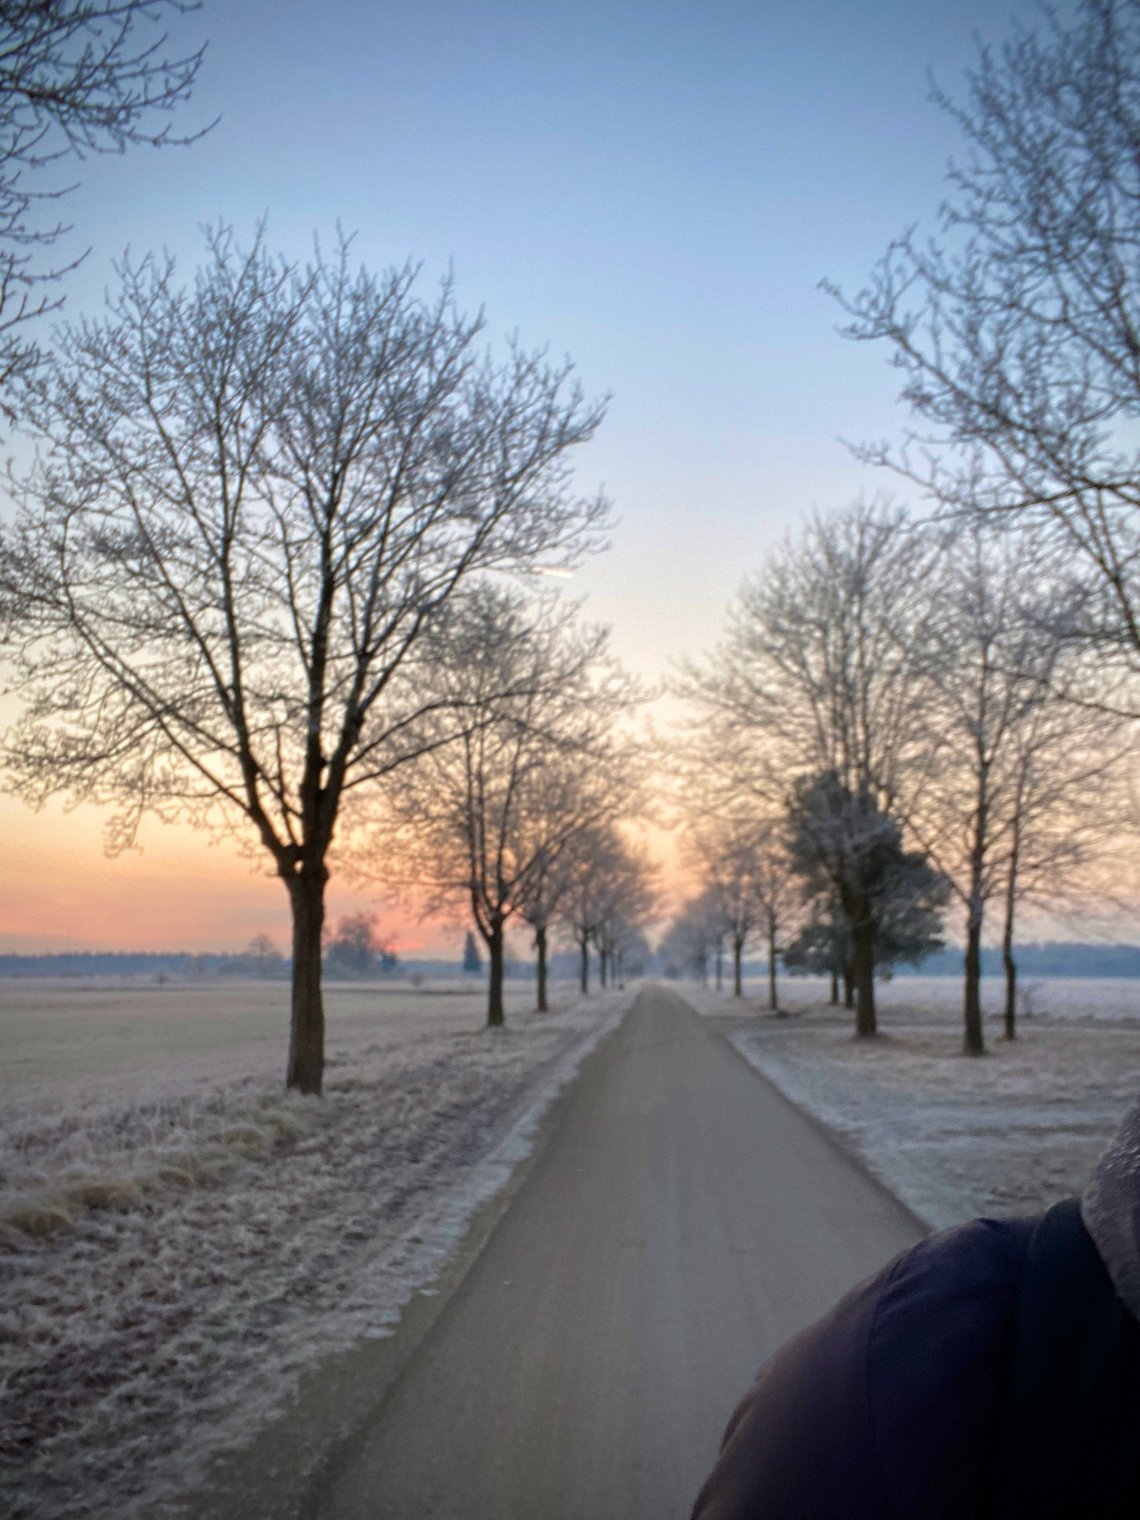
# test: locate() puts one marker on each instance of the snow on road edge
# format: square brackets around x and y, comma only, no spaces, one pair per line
[903,1170]
[952,1137]
[417,1255]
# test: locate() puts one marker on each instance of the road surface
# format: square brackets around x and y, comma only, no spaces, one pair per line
[683,1221]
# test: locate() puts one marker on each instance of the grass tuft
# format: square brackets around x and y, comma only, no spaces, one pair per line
[117,1193]
[41,1218]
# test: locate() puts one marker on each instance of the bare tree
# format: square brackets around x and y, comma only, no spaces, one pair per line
[991,660]
[779,902]
[612,893]
[570,802]
[265,955]
[817,666]
[253,500]
[690,939]
[821,670]
[583,903]
[357,947]
[549,887]
[1016,329]
[482,820]
[626,898]
[722,848]
[1066,808]
[746,868]
[1014,775]
[77,77]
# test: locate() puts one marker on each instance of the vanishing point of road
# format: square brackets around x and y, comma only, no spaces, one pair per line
[682,1220]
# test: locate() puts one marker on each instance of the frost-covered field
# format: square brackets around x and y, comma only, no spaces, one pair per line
[955,1137]
[180,1240]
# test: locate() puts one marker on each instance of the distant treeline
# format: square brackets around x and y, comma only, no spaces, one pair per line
[1054,958]
[177,964]
[187,966]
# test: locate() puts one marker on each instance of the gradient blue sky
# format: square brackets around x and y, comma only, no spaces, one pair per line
[655,189]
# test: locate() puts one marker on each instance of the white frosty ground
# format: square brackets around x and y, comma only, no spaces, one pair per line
[179,1239]
[951,1136]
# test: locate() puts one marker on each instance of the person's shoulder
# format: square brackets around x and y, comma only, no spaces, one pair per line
[938,1353]
[845,1421]
[952,1270]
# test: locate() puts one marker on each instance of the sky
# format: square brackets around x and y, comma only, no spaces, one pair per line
[653,188]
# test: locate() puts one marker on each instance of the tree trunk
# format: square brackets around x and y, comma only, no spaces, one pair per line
[583,966]
[603,970]
[737,968]
[540,946]
[773,1001]
[719,965]
[307,1011]
[973,1044]
[848,984]
[834,998]
[1007,960]
[863,975]
[495,1018]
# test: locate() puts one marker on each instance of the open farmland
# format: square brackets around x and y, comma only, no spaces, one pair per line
[180,1239]
[109,1036]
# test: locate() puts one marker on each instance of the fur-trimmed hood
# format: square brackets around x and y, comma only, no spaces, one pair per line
[1110,1209]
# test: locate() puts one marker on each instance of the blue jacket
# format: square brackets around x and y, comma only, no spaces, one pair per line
[991,1370]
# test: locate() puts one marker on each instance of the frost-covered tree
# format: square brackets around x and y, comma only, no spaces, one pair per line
[77,77]
[485,817]
[611,896]
[744,863]
[820,666]
[1015,326]
[821,673]
[255,496]
[848,849]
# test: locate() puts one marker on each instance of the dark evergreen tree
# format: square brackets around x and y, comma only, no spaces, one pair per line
[472,960]
[848,850]
[823,948]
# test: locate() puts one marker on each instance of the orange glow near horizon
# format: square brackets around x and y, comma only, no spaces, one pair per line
[178,892]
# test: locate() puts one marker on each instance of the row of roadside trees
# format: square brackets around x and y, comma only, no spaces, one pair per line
[903,717]
[910,714]
[273,562]
[273,572]
[966,679]
[516,817]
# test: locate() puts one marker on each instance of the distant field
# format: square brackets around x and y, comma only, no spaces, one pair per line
[105,1036]
[1111,998]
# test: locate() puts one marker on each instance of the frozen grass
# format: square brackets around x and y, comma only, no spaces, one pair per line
[63,1037]
[955,1137]
[174,1252]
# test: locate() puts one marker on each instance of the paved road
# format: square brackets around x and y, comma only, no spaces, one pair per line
[682,1222]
